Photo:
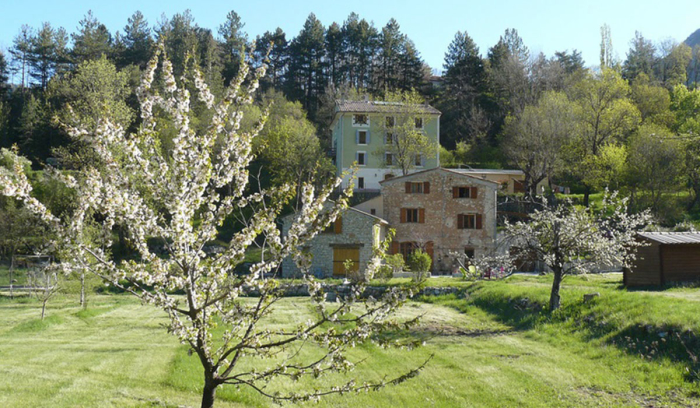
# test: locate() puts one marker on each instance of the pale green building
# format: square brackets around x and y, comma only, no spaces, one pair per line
[362,130]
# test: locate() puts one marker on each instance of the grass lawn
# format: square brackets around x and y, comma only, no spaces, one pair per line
[490,348]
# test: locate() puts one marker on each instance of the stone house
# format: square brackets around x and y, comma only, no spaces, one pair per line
[361,131]
[441,211]
[351,236]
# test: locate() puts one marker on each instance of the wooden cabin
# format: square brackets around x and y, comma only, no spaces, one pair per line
[669,257]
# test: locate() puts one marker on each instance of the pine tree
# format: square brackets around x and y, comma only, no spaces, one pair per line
[306,75]
[335,54]
[21,48]
[360,44]
[273,46]
[464,83]
[48,53]
[3,76]
[234,41]
[137,41]
[92,40]
[640,58]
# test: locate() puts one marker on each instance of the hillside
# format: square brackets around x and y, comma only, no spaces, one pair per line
[693,39]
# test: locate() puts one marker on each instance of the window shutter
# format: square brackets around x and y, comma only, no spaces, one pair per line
[394,248]
[421,215]
[478,221]
[385,136]
[368,140]
[460,221]
[455,192]
[338,225]
[357,136]
[473,193]
[403,215]
[408,187]
[426,187]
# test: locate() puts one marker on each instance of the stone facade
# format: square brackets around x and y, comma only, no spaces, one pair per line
[354,233]
[441,211]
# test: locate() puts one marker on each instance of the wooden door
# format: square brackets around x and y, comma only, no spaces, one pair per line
[340,255]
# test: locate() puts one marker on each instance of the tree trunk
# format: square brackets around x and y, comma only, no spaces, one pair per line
[43,309]
[209,393]
[82,290]
[586,196]
[554,298]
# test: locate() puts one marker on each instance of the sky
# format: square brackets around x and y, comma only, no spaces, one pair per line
[545,26]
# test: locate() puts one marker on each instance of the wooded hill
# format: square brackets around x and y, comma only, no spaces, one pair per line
[625,125]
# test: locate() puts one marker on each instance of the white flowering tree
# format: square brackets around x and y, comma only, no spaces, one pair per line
[570,239]
[174,194]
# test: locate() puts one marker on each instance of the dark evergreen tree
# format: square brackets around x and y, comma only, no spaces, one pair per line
[335,54]
[390,58]
[234,43]
[305,80]
[137,42]
[48,53]
[180,39]
[464,85]
[571,63]
[640,58]
[360,44]
[412,69]
[20,51]
[91,41]
[3,77]
[272,47]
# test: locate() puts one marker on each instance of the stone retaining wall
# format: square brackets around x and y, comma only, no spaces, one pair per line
[343,290]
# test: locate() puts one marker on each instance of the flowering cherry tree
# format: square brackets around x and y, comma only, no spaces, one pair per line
[570,239]
[174,194]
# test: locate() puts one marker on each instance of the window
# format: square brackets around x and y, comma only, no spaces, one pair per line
[469,252]
[361,183]
[389,138]
[361,158]
[362,137]
[466,221]
[464,192]
[388,176]
[373,211]
[469,221]
[418,188]
[413,215]
[360,119]
[388,159]
[418,160]
[419,123]
[390,122]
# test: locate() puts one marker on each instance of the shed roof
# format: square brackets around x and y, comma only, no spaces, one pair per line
[379,106]
[672,238]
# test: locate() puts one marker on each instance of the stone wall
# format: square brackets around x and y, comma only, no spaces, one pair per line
[358,231]
[333,291]
[441,212]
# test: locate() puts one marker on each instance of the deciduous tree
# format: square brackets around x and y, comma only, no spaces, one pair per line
[174,195]
[570,239]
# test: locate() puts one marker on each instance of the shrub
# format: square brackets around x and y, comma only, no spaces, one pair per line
[392,264]
[419,262]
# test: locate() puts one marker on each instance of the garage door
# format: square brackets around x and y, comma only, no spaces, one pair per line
[340,255]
